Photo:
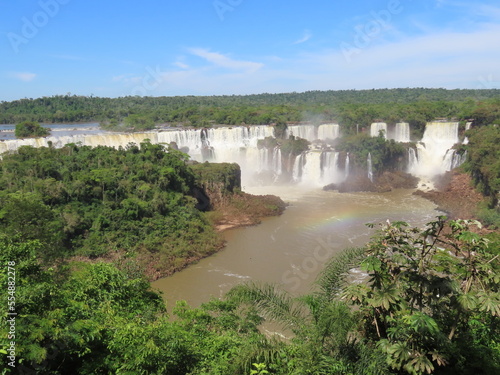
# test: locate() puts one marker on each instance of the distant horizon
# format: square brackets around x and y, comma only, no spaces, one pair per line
[243,47]
[254,94]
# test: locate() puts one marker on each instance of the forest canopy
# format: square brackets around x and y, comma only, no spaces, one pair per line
[351,108]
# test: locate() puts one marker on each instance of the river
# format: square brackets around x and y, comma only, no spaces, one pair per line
[290,250]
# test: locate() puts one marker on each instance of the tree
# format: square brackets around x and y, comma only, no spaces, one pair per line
[426,290]
[30,129]
[139,122]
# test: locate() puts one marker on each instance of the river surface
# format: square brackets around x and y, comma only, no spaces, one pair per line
[290,250]
[57,130]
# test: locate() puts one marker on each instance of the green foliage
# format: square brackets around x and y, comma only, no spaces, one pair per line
[294,146]
[429,305]
[385,154]
[489,217]
[260,369]
[30,129]
[95,201]
[483,160]
[139,122]
[226,177]
[268,142]
[93,318]
[352,108]
[280,128]
[421,297]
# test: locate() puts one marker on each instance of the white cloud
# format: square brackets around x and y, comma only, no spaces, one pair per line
[23,76]
[181,65]
[223,61]
[305,37]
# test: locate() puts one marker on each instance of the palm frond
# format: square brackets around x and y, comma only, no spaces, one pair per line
[275,304]
[332,279]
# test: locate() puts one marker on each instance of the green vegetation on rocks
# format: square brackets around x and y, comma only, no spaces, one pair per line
[30,129]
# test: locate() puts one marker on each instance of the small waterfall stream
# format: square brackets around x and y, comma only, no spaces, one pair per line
[370,168]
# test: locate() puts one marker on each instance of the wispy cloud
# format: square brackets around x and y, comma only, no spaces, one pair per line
[224,61]
[181,65]
[305,37]
[23,76]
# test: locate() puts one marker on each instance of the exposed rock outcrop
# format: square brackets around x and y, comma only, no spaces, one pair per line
[455,195]
[219,191]
[383,183]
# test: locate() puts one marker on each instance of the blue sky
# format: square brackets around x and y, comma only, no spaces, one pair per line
[214,47]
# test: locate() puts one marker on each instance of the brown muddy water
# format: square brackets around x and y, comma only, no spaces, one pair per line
[291,250]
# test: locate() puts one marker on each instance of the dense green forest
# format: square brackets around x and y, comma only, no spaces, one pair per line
[349,107]
[430,307]
[83,201]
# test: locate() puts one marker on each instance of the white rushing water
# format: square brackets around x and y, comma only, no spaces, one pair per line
[433,155]
[370,167]
[378,127]
[239,144]
[313,132]
[401,132]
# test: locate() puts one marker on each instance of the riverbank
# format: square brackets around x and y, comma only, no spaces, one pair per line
[455,195]
[239,210]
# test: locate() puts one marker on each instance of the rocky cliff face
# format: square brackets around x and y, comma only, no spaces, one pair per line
[217,182]
[219,192]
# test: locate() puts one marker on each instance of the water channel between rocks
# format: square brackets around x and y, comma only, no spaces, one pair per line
[290,250]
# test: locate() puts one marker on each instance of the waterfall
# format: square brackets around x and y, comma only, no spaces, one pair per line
[433,153]
[330,172]
[456,160]
[308,132]
[311,169]
[412,160]
[346,166]
[453,160]
[370,170]
[376,127]
[401,132]
[467,127]
[239,145]
[328,131]
[263,160]
[298,165]
[312,132]
[277,164]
